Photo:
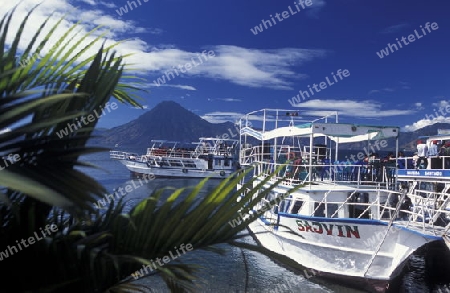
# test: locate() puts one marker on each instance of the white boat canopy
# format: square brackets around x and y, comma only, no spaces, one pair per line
[338,132]
[440,137]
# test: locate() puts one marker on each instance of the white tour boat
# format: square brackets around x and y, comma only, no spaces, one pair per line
[351,220]
[211,157]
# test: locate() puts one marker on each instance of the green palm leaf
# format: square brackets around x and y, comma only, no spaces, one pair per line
[154,227]
[93,250]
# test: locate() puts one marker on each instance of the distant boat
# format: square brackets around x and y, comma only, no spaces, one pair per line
[357,221]
[117,145]
[211,157]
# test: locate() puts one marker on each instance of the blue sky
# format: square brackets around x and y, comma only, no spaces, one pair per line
[247,71]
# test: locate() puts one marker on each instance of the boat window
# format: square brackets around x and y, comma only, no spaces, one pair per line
[358,204]
[286,204]
[271,195]
[282,206]
[297,205]
[319,210]
[331,209]
[227,162]
[189,164]
[164,163]
[175,163]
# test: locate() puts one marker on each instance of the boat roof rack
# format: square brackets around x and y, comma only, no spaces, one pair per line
[218,138]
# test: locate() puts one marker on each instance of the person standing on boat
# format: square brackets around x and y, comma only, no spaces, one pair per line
[444,152]
[433,154]
[422,152]
[415,158]
[401,160]
[405,206]
[297,162]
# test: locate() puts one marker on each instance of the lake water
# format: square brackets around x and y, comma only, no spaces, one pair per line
[246,271]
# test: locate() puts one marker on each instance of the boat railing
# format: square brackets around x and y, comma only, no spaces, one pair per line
[119,155]
[421,210]
[355,174]
[214,149]
[186,153]
[434,162]
[270,214]
[247,156]
[173,153]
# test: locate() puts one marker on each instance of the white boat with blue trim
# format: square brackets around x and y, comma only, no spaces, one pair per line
[211,157]
[355,219]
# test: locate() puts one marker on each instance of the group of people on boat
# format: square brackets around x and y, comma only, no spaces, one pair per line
[434,155]
[372,167]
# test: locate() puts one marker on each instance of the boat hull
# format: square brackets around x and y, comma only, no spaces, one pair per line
[143,169]
[342,248]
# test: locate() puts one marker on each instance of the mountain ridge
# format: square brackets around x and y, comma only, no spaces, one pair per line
[168,120]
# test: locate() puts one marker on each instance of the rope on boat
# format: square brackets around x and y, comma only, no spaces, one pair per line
[447,229]
[348,198]
[443,205]
[397,209]
[322,202]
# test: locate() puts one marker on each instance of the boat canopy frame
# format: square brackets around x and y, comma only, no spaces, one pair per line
[314,127]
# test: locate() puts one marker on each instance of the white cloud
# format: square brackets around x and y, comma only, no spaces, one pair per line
[90,2]
[139,108]
[419,106]
[272,68]
[90,18]
[426,122]
[242,66]
[230,100]
[155,31]
[259,68]
[220,117]
[184,87]
[355,108]
[439,115]
[108,4]
[180,86]
[403,85]
[317,4]
[394,28]
[441,104]
[315,8]
[387,89]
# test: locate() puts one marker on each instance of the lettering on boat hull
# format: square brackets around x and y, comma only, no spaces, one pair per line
[328,229]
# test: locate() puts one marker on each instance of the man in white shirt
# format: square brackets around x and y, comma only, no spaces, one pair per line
[422,153]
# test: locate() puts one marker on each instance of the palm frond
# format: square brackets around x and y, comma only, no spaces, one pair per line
[155,227]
